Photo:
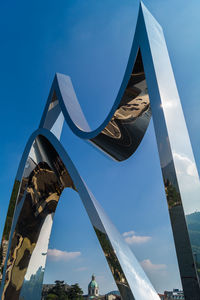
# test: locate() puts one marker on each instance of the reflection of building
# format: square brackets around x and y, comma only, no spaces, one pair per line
[93,288]
[3,252]
[32,288]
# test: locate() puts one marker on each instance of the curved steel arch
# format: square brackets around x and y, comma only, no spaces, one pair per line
[119,136]
[45,170]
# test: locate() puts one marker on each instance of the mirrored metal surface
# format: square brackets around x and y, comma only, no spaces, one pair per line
[44,172]
[51,172]
[124,132]
[179,170]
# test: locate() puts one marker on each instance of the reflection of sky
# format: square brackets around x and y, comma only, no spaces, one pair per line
[57,126]
[189,182]
[90,42]
[177,133]
[38,257]
[134,274]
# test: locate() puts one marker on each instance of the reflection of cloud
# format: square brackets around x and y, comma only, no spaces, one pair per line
[131,238]
[188,180]
[149,266]
[38,257]
[185,165]
[81,269]
[57,255]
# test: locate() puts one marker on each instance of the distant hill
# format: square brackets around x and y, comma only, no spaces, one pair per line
[193,221]
[193,218]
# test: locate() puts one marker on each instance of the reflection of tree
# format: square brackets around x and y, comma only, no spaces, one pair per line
[43,192]
[11,208]
[111,257]
[32,288]
[173,196]
[8,224]
[114,265]
[40,191]
[193,222]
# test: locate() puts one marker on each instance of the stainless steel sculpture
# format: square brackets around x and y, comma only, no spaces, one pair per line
[45,170]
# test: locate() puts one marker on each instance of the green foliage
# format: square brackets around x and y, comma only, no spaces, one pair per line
[52,297]
[111,256]
[173,196]
[11,208]
[75,292]
[59,292]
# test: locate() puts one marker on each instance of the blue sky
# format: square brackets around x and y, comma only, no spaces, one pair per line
[90,41]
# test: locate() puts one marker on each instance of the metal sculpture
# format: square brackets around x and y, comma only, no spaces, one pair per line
[45,170]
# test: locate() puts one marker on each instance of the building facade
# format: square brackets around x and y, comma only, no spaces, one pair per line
[93,288]
[175,294]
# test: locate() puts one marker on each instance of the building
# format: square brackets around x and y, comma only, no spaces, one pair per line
[175,294]
[93,289]
[93,292]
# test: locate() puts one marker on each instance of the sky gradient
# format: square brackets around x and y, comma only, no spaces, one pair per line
[90,41]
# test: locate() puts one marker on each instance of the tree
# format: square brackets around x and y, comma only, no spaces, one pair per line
[58,291]
[51,297]
[75,292]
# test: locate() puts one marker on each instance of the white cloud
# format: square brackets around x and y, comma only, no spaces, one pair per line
[128,233]
[149,266]
[131,238]
[185,165]
[58,255]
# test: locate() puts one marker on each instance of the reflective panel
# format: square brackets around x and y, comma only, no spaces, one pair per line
[124,132]
[31,228]
[182,185]
[43,173]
